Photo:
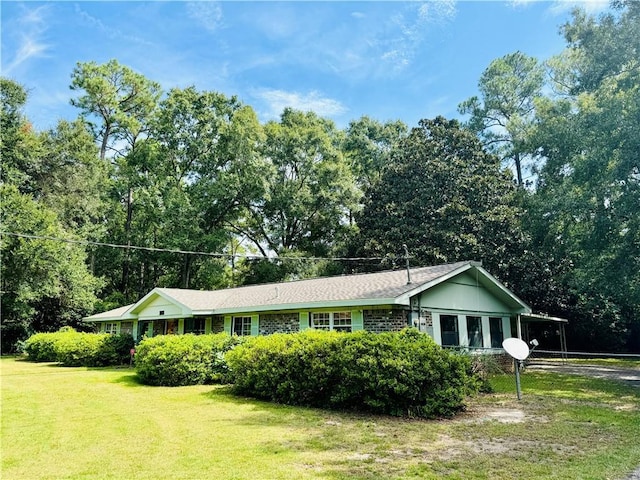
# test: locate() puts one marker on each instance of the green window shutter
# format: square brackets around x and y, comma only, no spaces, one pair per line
[357,320]
[181,322]
[304,320]
[255,325]
[227,324]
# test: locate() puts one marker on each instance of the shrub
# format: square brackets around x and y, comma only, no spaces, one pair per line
[78,349]
[74,349]
[40,347]
[174,360]
[114,350]
[402,373]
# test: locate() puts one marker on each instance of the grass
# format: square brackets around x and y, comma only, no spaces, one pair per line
[628,363]
[78,423]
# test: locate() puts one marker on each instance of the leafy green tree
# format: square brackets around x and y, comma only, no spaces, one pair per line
[72,181]
[589,188]
[310,188]
[367,146]
[445,198]
[45,283]
[208,148]
[504,114]
[120,99]
[19,144]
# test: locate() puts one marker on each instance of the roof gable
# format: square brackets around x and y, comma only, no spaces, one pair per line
[380,288]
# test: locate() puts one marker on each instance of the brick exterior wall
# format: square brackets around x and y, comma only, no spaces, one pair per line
[217,324]
[384,320]
[279,323]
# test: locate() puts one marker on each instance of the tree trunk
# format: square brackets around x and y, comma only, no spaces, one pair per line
[127,228]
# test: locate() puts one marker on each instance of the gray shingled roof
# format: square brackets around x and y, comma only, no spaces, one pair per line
[373,288]
[368,286]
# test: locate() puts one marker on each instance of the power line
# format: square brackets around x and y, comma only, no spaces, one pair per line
[184,252]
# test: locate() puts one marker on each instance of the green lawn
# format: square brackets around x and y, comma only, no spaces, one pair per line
[62,423]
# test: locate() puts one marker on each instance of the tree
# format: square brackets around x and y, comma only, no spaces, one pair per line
[208,146]
[503,117]
[589,186]
[310,188]
[19,144]
[45,283]
[445,198]
[121,99]
[72,181]
[367,146]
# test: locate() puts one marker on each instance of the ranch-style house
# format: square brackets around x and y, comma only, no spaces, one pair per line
[458,304]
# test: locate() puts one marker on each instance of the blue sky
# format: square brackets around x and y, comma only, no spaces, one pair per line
[388,60]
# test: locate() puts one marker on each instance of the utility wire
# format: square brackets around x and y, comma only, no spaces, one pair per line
[185,252]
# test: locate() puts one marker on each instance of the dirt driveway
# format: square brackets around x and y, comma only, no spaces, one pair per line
[627,375]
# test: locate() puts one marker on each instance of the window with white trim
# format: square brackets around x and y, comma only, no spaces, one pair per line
[111,328]
[241,326]
[338,321]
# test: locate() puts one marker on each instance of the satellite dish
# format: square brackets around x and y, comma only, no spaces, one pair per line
[516,348]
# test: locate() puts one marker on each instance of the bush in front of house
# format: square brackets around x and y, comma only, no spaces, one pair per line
[175,360]
[402,373]
[41,347]
[291,368]
[79,349]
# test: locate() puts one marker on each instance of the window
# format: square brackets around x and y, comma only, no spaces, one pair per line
[194,325]
[126,327]
[449,330]
[495,328]
[111,328]
[321,321]
[241,326]
[474,331]
[338,321]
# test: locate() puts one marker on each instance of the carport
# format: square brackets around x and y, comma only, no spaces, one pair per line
[528,323]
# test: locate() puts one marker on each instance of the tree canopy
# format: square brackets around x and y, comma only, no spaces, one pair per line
[188,188]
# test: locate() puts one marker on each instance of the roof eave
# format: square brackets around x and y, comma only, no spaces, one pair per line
[360,302]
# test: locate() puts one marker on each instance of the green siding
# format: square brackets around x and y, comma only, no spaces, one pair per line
[304,320]
[357,320]
[255,324]
[227,324]
[462,293]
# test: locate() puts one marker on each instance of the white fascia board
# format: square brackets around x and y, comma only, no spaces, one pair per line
[365,302]
[165,317]
[405,298]
[118,318]
[156,291]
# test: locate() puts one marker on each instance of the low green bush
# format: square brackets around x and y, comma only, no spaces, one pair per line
[41,347]
[402,373]
[114,350]
[78,349]
[174,360]
[75,349]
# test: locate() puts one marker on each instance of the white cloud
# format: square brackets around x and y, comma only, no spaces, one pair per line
[33,25]
[278,100]
[413,26]
[107,30]
[562,7]
[208,14]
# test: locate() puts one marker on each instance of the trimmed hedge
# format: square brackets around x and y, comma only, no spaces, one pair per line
[79,349]
[175,360]
[403,373]
[41,347]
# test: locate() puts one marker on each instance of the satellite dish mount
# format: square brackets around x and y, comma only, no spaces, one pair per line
[519,350]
